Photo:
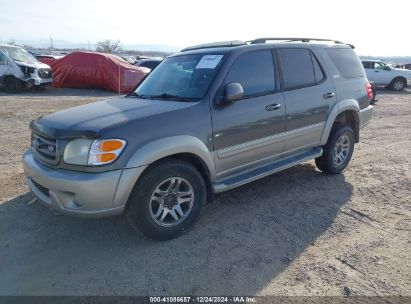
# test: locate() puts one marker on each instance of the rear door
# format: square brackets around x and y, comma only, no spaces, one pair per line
[308,95]
[249,131]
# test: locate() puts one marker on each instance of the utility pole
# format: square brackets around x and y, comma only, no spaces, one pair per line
[51,44]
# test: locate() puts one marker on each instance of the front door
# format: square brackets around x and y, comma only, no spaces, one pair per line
[382,73]
[249,131]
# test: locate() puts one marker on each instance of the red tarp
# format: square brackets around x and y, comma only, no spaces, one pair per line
[47,60]
[95,71]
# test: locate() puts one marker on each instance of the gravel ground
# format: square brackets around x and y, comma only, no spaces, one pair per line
[298,232]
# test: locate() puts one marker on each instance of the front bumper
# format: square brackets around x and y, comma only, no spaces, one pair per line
[365,116]
[80,194]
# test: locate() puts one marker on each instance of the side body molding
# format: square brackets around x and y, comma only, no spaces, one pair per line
[164,147]
[344,105]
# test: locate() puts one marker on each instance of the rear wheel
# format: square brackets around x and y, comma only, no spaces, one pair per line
[338,150]
[12,85]
[398,84]
[167,200]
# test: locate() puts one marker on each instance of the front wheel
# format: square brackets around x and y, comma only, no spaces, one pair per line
[12,85]
[167,200]
[338,150]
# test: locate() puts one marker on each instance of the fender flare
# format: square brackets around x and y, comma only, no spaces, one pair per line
[157,150]
[344,105]
[168,146]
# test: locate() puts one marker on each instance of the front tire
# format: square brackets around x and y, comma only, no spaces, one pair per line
[167,200]
[398,84]
[338,150]
[12,85]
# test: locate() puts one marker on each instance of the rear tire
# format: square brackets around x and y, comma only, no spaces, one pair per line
[167,200]
[398,84]
[12,85]
[338,150]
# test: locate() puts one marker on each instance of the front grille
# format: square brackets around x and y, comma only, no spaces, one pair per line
[42,189]
[46,149]
[44,73]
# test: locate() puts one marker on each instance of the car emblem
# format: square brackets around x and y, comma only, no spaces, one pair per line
[50,148]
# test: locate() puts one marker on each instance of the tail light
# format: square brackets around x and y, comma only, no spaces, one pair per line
[368,89]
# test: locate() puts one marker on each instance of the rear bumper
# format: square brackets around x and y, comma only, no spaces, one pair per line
[80,194]
[365,116]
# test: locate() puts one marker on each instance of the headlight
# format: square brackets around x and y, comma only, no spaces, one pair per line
[85,152]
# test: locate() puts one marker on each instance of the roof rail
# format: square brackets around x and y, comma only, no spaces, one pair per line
[215,44]
[264,40]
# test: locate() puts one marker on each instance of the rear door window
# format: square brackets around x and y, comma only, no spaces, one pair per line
[297,68]
[346,61]
[368,65]
[255,72]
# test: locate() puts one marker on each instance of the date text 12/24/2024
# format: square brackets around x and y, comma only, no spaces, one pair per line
[203,299]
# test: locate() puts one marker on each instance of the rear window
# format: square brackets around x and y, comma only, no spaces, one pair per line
[347,62]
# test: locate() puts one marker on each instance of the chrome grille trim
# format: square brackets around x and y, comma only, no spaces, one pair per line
[45,149]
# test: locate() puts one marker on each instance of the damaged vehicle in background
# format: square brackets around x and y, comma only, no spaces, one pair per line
[19,69]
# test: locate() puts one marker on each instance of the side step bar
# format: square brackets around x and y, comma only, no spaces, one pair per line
[240,179]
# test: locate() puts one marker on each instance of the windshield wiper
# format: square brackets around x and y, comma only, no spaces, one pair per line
[134,94]
[171,96]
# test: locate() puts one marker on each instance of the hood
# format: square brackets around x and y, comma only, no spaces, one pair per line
[88,120]
[36,65]
[404,72]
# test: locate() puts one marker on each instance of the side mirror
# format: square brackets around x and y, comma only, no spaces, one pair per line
[232,92]
[387,68]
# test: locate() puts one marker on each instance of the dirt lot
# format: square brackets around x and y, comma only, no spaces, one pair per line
[298,232]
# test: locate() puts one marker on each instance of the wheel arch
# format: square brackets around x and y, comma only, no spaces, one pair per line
[346,111]
[401,78]
[185,147]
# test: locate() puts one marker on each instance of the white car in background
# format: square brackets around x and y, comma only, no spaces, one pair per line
[19,68]
[383,74]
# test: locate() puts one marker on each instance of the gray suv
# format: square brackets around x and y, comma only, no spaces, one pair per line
[208,119]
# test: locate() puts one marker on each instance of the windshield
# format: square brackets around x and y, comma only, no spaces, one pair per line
[184,78]
[18,54]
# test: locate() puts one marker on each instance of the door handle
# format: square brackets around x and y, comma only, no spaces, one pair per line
[376,71]
[329,95]
[273,106]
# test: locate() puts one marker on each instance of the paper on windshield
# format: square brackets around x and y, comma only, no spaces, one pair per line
[209,62]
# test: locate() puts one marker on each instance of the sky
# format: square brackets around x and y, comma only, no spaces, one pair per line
[374,27]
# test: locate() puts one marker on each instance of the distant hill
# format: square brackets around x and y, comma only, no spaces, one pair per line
[63,44]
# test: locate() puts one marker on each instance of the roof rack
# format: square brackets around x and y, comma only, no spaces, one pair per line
[264,40]
[215,44]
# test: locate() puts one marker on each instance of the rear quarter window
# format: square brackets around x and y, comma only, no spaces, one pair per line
[347,62]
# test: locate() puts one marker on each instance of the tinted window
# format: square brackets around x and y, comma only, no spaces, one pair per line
[347,62]
[254,71]
[318,72]
[368,65]
[296,67]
